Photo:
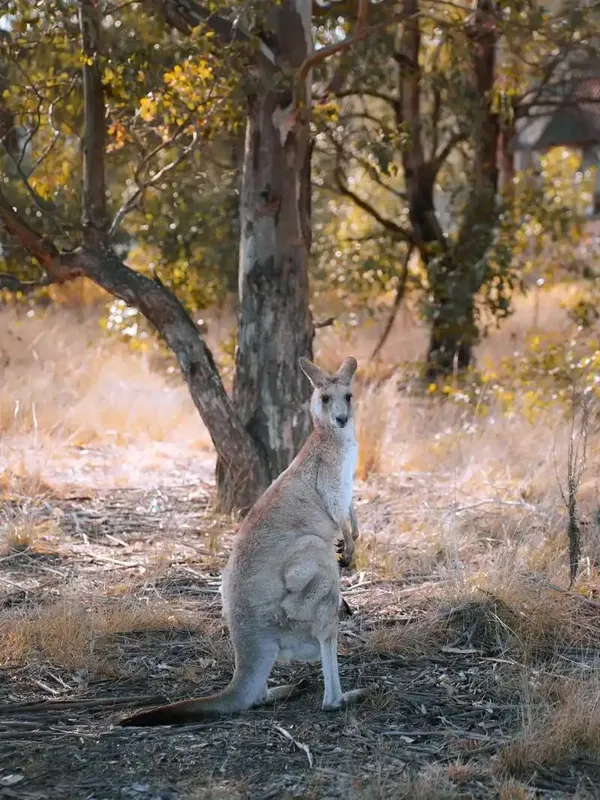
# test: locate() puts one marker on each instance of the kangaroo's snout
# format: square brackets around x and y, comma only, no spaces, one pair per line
[341,420]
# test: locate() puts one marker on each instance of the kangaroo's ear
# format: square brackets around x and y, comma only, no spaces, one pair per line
[347,370]
[315,374]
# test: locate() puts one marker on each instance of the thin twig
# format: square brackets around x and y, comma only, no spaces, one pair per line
[576,459]
[400,292]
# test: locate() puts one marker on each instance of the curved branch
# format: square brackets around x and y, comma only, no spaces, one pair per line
[164,311]
[46,207]
[392,227]
[440,158]
[11,283]
[133,201]
[185,15]
[37,246]
[55,130]
[317,56]
[376,177]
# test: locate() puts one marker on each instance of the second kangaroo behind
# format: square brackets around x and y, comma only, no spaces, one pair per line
[281,585]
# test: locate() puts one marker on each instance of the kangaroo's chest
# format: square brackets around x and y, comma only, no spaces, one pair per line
[347,478]
[336,488]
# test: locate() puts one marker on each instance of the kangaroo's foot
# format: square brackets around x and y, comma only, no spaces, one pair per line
[280,693]
[347,699]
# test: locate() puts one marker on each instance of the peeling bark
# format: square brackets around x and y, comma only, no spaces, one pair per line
[275,326]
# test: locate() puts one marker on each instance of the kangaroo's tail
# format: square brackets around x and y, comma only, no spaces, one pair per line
[225,702]
[242,692]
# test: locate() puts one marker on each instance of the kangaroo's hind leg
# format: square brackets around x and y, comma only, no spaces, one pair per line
[334,698]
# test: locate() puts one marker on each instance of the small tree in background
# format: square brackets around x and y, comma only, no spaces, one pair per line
[419,139]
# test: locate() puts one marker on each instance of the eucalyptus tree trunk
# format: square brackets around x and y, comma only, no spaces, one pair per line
[275,327]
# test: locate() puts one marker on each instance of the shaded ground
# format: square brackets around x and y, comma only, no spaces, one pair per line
[135,575]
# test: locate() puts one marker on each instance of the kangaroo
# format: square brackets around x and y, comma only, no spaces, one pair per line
[280,587]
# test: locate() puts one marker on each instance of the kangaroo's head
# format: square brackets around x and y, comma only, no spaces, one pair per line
[331,403]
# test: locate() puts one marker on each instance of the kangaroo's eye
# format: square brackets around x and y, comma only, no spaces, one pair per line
[348,397]
[325,399]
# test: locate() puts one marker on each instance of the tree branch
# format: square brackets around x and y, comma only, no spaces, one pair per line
[132,202]
[46,207]
[185,15]
[164,311]
[37,246]
[400,292]
[11,283]
[452,142]
[94,216]
[376,177]
[392,227]
[317,56]
[55,130]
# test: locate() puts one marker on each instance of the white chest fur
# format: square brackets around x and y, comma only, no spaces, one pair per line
[347,476]
[336,483]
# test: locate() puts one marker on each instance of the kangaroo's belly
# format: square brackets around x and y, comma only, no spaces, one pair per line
[298,648]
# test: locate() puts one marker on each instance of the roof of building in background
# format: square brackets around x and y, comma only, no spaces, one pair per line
[565,112]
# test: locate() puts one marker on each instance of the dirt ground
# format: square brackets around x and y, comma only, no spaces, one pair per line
[112,604]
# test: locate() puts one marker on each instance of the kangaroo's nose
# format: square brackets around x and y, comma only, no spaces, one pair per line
[341,420]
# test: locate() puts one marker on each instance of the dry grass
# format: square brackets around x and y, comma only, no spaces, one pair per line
[561,723]
[28,533]
[67,388]
[372,429]
[523,619]
[64,380]
[17,478]
[72,636]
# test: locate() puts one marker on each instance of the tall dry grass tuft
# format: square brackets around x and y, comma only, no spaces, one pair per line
[497,614]
[18,479]
[70,635]
[561,722]
[27,532]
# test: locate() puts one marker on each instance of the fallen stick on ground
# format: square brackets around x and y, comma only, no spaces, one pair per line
[89,702]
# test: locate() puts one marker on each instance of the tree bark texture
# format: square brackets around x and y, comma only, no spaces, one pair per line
[94,216]
[275,326]
[446,317]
